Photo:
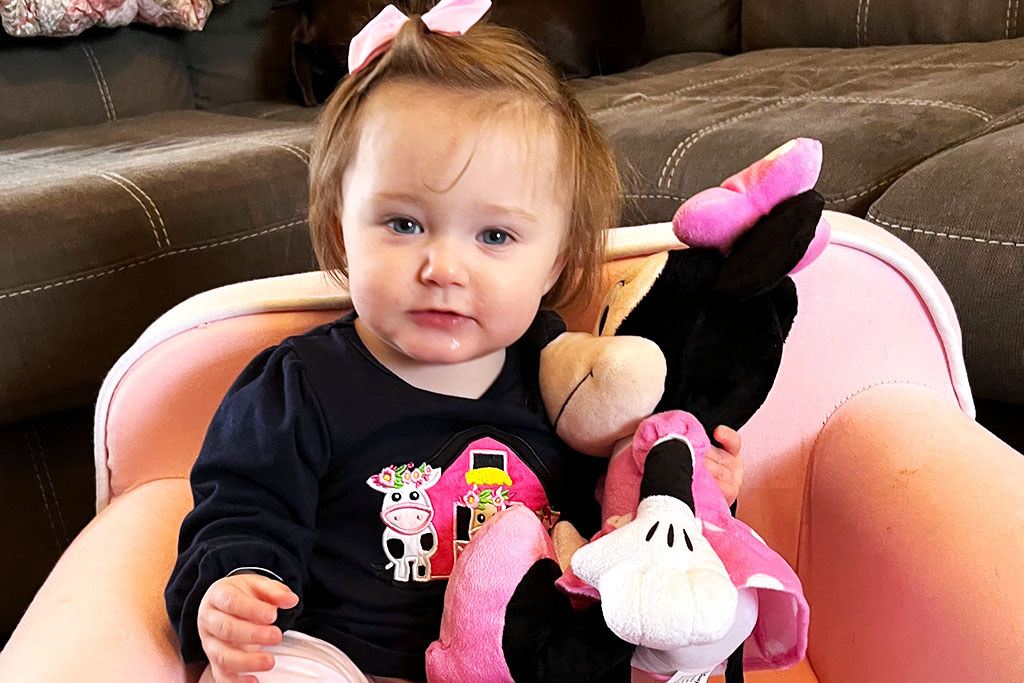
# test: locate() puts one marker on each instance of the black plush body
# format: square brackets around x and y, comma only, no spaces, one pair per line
[721,320]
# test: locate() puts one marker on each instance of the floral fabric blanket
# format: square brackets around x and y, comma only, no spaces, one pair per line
[28,18]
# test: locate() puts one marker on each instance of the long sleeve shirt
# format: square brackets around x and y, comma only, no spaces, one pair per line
[359,490]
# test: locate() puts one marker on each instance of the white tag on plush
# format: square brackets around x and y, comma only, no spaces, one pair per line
[684,678]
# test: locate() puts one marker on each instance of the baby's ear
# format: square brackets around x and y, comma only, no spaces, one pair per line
[772,248]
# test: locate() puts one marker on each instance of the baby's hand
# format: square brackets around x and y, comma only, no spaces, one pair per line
[236,617]
[725,464]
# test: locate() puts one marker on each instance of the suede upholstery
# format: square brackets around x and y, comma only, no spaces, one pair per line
[140,166]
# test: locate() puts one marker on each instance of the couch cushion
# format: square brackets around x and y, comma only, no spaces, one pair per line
[243,54]
[857,23]
[103,228]
[878,111]
[691,26]
[46,467]
[271,111]
[104,75]
[963,211]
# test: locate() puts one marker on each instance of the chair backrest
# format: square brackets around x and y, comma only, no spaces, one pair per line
[870,313]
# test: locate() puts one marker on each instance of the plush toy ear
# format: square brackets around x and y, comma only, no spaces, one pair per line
[772,248]
[628,291]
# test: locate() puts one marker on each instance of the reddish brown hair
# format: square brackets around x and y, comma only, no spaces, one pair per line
[489,60]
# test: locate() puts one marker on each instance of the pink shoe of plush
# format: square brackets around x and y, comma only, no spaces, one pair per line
[469,649]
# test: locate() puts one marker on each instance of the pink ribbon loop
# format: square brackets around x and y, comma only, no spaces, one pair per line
[450,17]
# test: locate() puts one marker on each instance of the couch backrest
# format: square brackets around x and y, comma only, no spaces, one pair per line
[857,23]
[243,54]
[674,26]
[102,75]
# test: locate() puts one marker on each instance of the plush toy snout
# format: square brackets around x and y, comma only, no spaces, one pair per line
[597,389]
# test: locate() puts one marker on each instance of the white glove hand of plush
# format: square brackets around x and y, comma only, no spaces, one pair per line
[662,585]
[694,663]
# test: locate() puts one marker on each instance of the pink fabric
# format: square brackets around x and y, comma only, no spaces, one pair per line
[163,404]
[451,17]
[716,217]
[469,649]
[822,233]
[779,638]
[859,325]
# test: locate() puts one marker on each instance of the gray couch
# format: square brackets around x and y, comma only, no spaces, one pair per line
[138,167]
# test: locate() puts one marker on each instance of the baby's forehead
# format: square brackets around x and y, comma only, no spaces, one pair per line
[439,135]
[461,113]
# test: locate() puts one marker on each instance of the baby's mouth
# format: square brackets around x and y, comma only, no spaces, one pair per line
[440,318]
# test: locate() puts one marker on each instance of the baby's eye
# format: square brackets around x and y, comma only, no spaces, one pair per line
[494,237]
[404,226]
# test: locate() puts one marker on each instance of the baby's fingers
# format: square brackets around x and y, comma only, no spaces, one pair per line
[238,632]
[729,439]
[230,664]
[248,599]
[271,591]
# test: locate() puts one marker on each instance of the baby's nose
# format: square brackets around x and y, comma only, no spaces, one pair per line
[444,266]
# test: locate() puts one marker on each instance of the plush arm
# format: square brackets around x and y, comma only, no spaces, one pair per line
[912,548]
[100,616]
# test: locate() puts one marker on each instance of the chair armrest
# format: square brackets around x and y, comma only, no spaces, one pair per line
[912,547]
[100,615]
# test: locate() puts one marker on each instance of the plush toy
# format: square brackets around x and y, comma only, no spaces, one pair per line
[681,582]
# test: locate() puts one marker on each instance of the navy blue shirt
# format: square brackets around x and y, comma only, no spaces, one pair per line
[359,490]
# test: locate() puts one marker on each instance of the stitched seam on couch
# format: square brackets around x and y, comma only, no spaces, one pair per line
[863,7]
[946,235]
[118,180]
[134,264]
[101,82]
[694,86]
[1011,21]
[296,151]
[795,66]
[684,146]
[61,537]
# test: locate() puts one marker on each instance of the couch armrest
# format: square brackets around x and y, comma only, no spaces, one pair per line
[100,617]
[912,548]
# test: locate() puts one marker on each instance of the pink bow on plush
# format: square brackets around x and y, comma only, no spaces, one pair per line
[451,17]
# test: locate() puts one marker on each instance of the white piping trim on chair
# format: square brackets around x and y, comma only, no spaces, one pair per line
[948,328]
[310,291]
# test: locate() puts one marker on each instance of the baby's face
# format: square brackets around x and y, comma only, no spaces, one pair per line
[454,219]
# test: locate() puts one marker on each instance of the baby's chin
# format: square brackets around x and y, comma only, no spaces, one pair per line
[448,352]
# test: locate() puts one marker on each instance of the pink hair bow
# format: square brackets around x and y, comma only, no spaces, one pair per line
[451,17]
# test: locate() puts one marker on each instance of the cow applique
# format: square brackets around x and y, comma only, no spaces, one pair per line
[409,539]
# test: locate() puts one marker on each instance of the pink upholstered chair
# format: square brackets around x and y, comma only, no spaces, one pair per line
[903,517]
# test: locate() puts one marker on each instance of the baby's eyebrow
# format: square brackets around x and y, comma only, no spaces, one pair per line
[399,196]
[488,207]
[513,211]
